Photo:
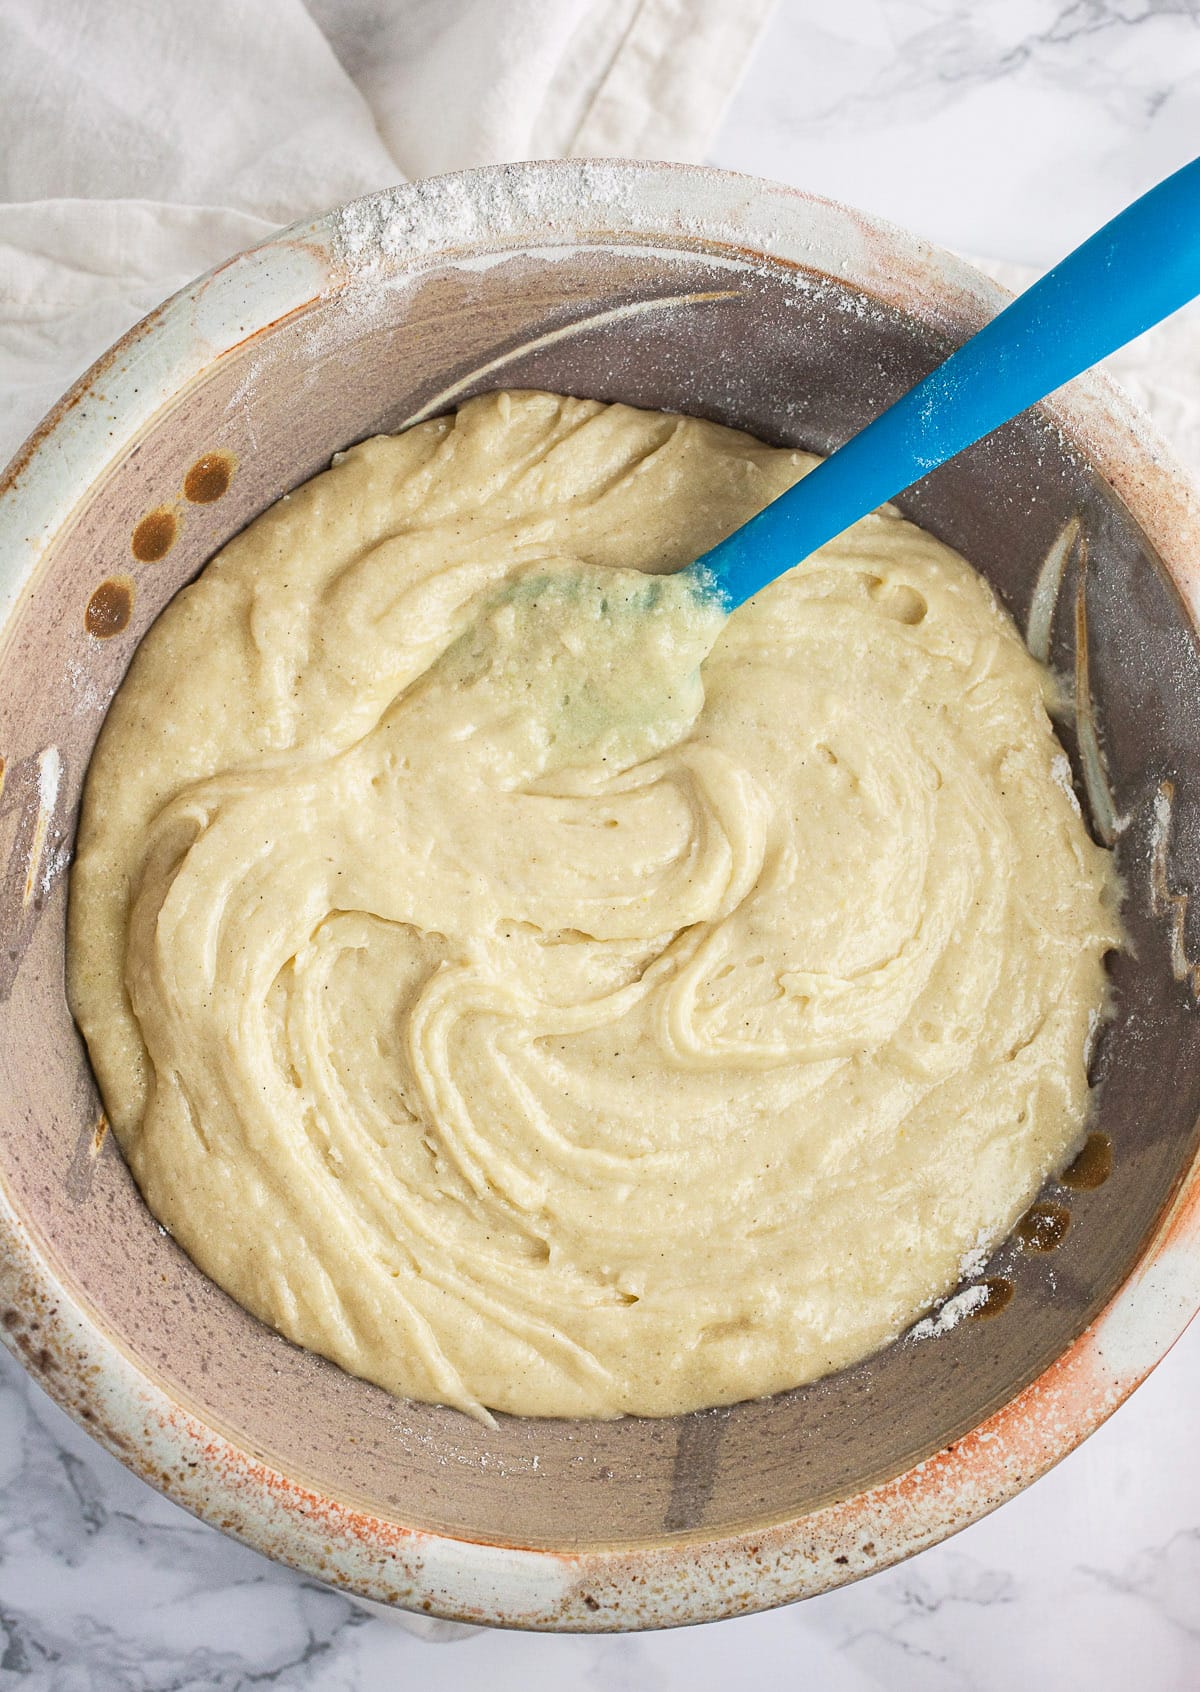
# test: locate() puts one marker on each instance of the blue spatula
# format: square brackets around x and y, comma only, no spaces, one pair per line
[1135,271]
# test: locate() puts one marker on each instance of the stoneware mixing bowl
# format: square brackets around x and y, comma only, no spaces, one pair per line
[689,290]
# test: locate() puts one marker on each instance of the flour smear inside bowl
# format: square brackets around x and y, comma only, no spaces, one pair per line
[515,985]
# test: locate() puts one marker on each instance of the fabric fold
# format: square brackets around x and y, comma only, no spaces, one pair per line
[145,143]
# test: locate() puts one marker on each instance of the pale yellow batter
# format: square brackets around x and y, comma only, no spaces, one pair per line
[494,1004]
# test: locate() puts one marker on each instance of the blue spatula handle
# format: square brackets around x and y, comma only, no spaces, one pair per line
[1135,271]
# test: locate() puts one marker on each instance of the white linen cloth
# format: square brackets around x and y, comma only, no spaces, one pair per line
[142,141]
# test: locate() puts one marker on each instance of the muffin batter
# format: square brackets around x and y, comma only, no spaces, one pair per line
[498,1004]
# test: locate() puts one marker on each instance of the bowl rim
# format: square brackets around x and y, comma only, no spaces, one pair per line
[376,240]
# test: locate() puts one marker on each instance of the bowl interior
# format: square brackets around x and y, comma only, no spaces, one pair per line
[797,358]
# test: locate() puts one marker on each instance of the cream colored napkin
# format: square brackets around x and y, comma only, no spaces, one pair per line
[142,142]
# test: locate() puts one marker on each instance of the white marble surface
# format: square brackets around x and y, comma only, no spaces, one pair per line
[1006,127]
[1089,1580]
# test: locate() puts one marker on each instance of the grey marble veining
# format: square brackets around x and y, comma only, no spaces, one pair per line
[1007,127]
[1091,1578]
[105,1583]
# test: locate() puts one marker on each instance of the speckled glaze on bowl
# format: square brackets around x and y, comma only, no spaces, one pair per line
[684,289]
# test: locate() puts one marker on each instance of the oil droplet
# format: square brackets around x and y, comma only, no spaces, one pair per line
[1044,1227]
[209,477]
[1092,1167]
[110,608]
[999,1291]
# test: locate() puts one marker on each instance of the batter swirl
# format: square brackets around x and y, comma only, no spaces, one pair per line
[504,994]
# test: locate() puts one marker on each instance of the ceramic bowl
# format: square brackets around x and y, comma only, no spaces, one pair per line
[689,290]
